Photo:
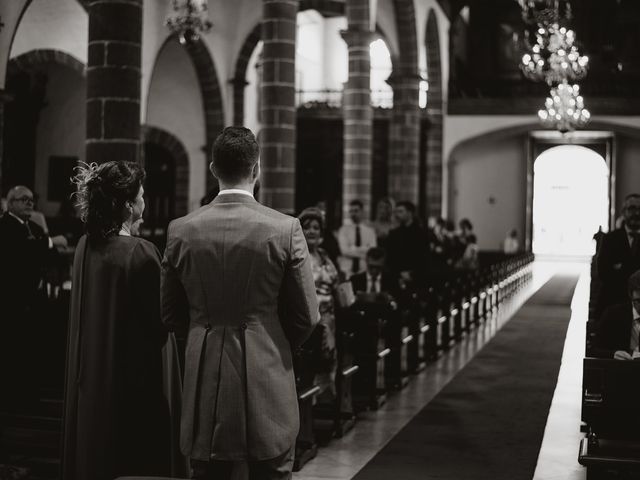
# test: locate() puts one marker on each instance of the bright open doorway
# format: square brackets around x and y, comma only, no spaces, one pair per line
[570,201]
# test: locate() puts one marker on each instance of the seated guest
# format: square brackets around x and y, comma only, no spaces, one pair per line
[355,239]
[619,256]
[510,244]
[618,330]
[325,275]
[375,279]
[329,242]
[469,259]
[407,246]
[26,252]
[116,418]
[384,221]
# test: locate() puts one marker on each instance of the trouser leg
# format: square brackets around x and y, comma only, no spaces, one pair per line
[278,468]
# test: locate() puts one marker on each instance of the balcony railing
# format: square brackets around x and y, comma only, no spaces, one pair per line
[333,98]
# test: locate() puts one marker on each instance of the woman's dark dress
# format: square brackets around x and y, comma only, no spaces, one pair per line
[116,417]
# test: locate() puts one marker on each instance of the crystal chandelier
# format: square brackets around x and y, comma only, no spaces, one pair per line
[188,20]
[564,109]
[545,12]
[554,57]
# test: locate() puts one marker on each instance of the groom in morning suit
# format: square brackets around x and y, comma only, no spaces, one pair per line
[237,282]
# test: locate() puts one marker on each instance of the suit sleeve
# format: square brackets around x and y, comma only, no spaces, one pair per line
[175,307]
[298,301]
[604,345]
[604,259]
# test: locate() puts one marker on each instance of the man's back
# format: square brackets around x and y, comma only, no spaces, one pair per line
[237,275]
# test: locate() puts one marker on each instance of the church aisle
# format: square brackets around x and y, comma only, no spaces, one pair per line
[344,457]
[558,458]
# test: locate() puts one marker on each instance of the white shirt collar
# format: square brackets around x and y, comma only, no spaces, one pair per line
[22,222]
[235,190]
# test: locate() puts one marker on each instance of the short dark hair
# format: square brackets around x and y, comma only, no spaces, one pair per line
[408,205]
[376,253]
[631,196]
[466,223]
[234,155]
[103,191]
[356,203]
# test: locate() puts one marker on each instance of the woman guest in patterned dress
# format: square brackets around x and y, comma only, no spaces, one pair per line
[325,274]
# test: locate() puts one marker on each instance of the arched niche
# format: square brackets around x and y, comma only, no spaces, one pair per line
[45,124]
[185,99]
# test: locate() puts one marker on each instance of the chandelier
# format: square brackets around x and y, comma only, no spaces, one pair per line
[564,109]
[554,57]
[545,12]
[188,20]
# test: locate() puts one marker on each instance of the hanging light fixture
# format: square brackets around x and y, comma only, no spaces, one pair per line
[189,19]
[545,12]
[564,109]
[554,57]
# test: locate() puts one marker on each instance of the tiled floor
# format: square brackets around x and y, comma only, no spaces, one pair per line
[344,457]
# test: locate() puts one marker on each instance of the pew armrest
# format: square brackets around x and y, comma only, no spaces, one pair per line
[311,392]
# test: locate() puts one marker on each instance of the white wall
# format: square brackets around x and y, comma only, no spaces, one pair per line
[251,106]
[53,24]
[488,186]
[175,105]
[10,14]
[61,127]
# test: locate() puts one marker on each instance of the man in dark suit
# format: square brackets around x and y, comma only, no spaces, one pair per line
[25,252]
[619,256]
[375,279]
[407,246]
[618,332]
[237,277]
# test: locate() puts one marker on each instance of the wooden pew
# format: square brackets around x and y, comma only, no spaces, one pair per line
[370,315]
[610,392]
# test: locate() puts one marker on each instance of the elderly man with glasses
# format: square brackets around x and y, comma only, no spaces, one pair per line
[25,251]
[619,256]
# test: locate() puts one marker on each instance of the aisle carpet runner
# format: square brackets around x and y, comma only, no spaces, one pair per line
[488,422]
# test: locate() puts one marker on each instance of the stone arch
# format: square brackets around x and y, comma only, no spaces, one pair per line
[211,95]
[25,92]
[239,80]
[171,143]
[31,60]
[433,149]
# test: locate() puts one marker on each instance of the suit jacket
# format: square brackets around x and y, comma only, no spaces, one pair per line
[359,282]
[237,276]
[613,331]
[22,262]
[615,264]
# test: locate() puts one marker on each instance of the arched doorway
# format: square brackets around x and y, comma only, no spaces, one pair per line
[570,200]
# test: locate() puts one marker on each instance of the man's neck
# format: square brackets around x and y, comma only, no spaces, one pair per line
[247,187]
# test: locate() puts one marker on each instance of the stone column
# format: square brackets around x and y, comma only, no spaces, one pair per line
[356,106]
[434,163]
[113,80]
[278,111]
[404,137]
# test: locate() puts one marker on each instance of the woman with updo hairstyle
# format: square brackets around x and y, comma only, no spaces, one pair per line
[116,416]
[325,274]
